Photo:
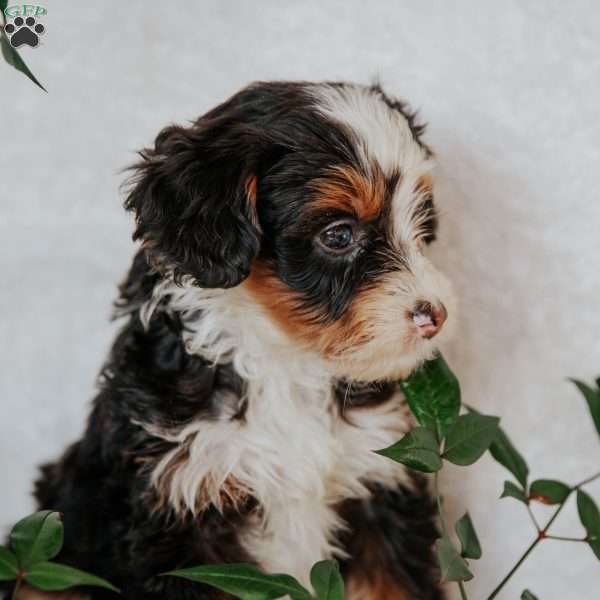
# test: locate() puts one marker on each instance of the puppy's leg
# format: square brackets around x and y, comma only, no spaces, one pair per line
[390,540]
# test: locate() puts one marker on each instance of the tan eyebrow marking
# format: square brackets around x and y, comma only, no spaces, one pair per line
[347,189]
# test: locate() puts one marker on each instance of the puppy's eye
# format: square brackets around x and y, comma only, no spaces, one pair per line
[337,237]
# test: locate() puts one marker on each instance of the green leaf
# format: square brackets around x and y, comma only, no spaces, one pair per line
[514,491]
[469,438]
[245,581]
[3,5]
[13,58]
[592,398]
[590,519]
[52,577]
[469,542]
[418,449]
[37,538]
[327,581]
[527,595]
[8,565]
[504,452]
[549,491]
[433,394]
[453,566]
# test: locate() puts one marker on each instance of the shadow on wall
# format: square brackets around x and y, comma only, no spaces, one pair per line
[479,244]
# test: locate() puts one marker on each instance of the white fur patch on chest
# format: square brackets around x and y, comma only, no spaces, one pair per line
[293,451]
[306,460]
[298,458]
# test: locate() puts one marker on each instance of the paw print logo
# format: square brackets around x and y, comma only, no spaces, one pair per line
[24,31]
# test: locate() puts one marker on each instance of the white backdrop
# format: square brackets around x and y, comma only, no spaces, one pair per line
[511,92]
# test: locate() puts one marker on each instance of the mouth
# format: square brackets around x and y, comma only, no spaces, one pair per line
[393,361]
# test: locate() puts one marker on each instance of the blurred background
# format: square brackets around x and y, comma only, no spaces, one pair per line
[511,93]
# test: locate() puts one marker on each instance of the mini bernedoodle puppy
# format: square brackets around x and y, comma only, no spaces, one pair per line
[280,293]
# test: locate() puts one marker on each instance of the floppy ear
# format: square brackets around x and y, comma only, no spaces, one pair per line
[194,196]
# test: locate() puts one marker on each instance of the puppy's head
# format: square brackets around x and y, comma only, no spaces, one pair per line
[318,199]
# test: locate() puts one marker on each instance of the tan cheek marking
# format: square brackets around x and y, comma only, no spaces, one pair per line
[286,309]
[348,190]
[281,303]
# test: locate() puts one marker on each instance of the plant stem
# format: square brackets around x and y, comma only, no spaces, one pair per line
[15,593]
[565,539]
[513,570]
[556,513]
[533,519]
[586,481]
[541,535]
[438,499]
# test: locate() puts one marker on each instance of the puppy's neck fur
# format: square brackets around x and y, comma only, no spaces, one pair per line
[294,451]
[227,326]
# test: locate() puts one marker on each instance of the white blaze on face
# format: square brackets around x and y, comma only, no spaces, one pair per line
[406,220]
[383,134]
[383,137]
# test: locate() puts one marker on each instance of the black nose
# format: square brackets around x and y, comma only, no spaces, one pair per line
[429,318]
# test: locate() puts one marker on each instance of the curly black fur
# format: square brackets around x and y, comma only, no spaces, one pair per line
[101,484]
